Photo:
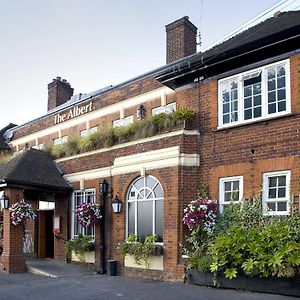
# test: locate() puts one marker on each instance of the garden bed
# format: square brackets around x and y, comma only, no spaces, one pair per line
[273,285]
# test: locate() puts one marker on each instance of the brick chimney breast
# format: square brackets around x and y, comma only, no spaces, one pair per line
[59,92]
[181,39]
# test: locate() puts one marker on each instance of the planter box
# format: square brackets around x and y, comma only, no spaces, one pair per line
[283,286]
[89,257]
[156,262]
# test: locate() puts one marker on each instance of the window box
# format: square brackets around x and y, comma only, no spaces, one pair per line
[155,262]
[255,95]
[272,285]
[89,257]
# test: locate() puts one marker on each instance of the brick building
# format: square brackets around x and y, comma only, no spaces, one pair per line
[243,138]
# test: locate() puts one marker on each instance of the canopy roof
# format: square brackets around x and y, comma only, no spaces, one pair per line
[34,169]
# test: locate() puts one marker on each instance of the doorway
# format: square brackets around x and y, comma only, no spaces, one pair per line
[45,234]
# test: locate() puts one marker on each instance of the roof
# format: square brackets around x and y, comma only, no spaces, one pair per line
[274,36]
[3,144]
[33,169]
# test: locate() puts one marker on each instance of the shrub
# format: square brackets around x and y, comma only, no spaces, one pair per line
[268,250]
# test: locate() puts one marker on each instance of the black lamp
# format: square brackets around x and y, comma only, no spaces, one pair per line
[116,205]
[4,201]
[141,112]
[103,188]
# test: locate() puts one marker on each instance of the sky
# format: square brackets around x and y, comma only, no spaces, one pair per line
[95,43]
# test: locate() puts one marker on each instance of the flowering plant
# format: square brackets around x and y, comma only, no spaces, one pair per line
[21,212]
[88,214]
[201,212]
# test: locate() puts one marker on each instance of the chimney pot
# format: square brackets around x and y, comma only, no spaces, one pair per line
[58,78]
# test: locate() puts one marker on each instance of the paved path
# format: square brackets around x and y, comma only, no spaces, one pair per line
[73,282]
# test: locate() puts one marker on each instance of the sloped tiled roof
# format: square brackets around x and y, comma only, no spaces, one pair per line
[33,168]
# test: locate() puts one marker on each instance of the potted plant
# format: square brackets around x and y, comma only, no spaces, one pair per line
[89,214]
[21,212]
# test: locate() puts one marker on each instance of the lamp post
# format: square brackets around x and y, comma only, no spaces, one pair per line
[4,201]
[103,193]
[116,205]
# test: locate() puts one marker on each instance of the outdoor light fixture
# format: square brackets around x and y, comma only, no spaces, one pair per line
[4,201]
[103,188]
[116,205]
[141,112]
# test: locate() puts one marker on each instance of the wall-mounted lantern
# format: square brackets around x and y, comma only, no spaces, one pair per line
[4,201]
[116,205]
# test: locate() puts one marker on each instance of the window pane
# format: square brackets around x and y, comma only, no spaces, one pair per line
[257,89]
[227,186]
[159,220]
[248,102]
[271,73]
[234,94]
[226,108]
[272,206]
[139,183]
[281,180]
[272,181]
[257,100]
[281,94]
[145,218]
[271,97]
[272,108]
[236,185]
[281,206]
[225,119]
[281,82]
[272,193]
[271,85]
[281,192]
[158,191]
[235,196]
[281,70]
[150,182]
[257,112]
[247,91]
[234,117]
[227,196]
[131,218]
[226,97]
[234,106]
[248,114]
[281,106]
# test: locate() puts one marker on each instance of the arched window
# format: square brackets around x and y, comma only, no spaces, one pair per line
[145,207]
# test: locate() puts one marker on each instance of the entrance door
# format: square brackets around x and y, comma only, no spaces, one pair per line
[46,236]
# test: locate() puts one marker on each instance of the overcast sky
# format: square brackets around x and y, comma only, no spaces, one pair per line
[95,43]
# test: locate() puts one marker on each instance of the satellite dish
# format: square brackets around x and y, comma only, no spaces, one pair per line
[8,134]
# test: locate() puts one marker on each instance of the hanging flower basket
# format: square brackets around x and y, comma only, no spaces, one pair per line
[89,214]
[21,212]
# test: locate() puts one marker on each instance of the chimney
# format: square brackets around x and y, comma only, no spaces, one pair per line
[181,39]
[59,92]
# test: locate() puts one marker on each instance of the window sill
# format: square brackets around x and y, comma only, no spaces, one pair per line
[252,122]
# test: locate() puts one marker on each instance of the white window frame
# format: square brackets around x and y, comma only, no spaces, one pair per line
[222,182]
[60,141]
[264,95]
[123,122]
[167,109]
[265,193]
[89,131]
[134,200]
[73,216]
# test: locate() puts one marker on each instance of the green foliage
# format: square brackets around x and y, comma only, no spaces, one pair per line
[267,250]
[5,156]
[200,262]
[141,248]
[79,245]
[108,137]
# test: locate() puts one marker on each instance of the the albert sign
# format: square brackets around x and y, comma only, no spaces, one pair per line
[74,112]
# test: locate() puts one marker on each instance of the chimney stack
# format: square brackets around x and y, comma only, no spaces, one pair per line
[181,39]
[59,92]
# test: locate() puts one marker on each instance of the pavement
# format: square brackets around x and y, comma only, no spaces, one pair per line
[47,279]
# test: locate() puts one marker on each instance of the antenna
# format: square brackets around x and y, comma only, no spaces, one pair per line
[199,36]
